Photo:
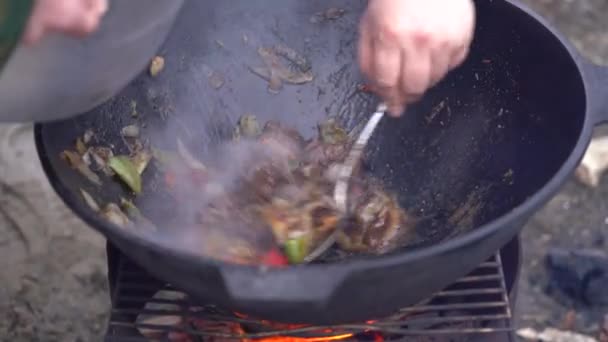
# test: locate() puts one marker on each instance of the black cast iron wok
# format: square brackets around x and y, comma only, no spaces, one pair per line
[516,119]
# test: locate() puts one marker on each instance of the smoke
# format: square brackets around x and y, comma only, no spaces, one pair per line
[208,194]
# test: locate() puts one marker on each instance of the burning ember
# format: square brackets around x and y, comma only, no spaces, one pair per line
[155,325]
[307,339]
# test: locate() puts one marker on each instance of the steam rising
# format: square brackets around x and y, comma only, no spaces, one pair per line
[205,183]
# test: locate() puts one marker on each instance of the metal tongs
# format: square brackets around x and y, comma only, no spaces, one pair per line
[344,177]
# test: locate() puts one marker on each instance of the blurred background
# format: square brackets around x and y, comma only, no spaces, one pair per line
[53,268]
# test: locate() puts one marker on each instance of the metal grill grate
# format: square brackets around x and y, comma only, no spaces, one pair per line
[476,305]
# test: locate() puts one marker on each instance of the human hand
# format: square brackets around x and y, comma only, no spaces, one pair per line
[74,17]
[407,46]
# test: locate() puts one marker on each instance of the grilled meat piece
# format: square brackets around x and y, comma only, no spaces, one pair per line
[379,224]
[330,146]
[323,154]
[330,132]
[280,138]
[304,210]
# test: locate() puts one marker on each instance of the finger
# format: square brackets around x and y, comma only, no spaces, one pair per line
[415,72]
[365,49]
[395,102]
[36,24]
[394,99]
[396,110]
[89,16]
[97,7]
[458,57]
[440,64]
[33,33]
[87,25]
[82,19]
[386,62]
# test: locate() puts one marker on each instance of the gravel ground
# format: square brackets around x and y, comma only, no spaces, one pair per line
[53,269]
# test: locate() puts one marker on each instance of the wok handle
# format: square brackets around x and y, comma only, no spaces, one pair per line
[597,77]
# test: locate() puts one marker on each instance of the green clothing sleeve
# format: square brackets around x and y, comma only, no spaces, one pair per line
[14,15]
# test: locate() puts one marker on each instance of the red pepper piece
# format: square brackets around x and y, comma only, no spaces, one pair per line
[199,177]
[274,257]
[170,179]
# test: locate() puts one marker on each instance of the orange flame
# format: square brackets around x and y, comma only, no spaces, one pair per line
[305,339]
[329,338]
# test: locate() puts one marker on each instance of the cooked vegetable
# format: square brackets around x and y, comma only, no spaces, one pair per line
[76,162]
[100,156]
[133,106]
[296,249]
[141,160]
[247,127]
[81,148]
[157,65]
[332,13]
[380,225]
[127,172]
[90,201]
[88,136]
[131,131]
[331,133]
[275,72]
[114,215]
[216,80]
[292,56]
[129,208]
[274,258]
[274,211]
[188,157]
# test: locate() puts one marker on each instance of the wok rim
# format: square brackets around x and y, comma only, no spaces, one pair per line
[479,233]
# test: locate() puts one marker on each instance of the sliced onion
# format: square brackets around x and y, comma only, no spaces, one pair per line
[130,131]
[190,160]
[100,156]
[90,201]
[76,162]
[88,136]
[114,215]
[86,158]
[80,147]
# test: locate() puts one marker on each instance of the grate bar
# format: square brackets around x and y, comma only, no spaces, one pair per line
[503,284]
[473,292]
[489,264]
[144,300]
[111,338]
[470,306]
[315,331]
[144,287]
[479,278]
[458,306]
[408,321]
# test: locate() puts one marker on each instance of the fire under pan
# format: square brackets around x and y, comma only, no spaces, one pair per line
[474,308]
